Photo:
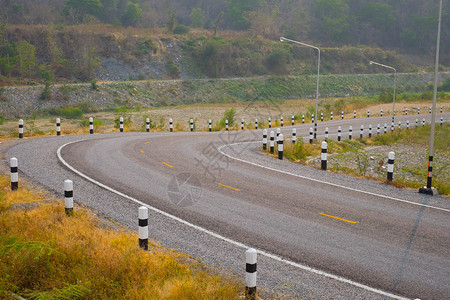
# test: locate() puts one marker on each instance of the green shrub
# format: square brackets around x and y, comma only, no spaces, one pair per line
[445,86]
[94,85]
[46,93]
[181,29]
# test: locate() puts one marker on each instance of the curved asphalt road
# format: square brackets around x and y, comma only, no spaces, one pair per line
[400,247]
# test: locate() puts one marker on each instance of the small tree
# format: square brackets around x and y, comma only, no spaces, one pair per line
[197,17]
[132,15]
[27,59]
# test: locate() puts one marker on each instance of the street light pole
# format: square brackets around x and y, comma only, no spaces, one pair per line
[318,73]
[395,84]
[428,190]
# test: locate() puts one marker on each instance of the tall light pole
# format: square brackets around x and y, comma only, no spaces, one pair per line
[318,73]
[395,84]
[428,190]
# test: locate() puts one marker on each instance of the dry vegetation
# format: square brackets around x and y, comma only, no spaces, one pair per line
[45,254]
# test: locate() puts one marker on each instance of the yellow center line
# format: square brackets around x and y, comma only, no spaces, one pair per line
[227,186]
[142,151]
[353,222]
[146,143]
[167,165]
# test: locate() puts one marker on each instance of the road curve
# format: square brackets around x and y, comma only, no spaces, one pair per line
[346,229]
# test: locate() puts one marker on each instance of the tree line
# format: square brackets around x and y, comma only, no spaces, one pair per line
[408,25]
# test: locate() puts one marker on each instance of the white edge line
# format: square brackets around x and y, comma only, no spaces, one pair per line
[223,238]
[320,181]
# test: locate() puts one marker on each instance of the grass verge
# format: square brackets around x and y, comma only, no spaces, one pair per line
[45,254]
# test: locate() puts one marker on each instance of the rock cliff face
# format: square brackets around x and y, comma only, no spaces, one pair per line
[25,101]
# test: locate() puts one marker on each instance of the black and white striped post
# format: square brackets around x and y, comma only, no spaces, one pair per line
[399,124]
[14,174]
[378,129]
[147,124]
[407,124]
[20,129]
[242,124]
[280,141]
[312,118]
[270,122]
[58,126]
[91,125]
[264,139]
[323,155]
[250,274]
[423,122]
[361,133]
[170,125]
[392,126]
[281,121]
[272,142]
[192,125]
[441,109]
[381,112]
[310,135]
[331,116]
[293,118]
[390,167]
[354,114]
[385,128]
[442,121]
[370,130]
[417,122]
[321,117]
[303,119]
[278,131]
[326,132]
[350,132]
[429,110]
[339,133]
[143,227]
[209,125]
[294,135]
[68,197]
[121,124]
[342,115]
[418,110]
[226,125]
[256,123]
[368,113]
[406,111]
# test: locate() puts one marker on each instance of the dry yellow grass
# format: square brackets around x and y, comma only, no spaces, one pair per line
[44,253]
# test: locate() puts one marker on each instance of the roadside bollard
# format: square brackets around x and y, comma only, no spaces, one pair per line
[418,110]
[323,155]
[417,122]
[392,126]
[331,116]
[381,112]
[399,124]
[147,124]
[170,125]
[378,129]
[209,125]
[354,114]
[121,124]
[280,142]
[312,118]
[423,122]
[407,124]
[294,135]
[370,130]
[310,135]
[293,118]
[442,121]
[303,119]
[256,123]
[264,139]
[226,125]
[342,115]
[390,173]
[272,142]
[350,129]
[270,122]
[441,109]
[368,113]
[192,125]
[91,125]
[68,197]
[14,174]
[242,124]
[321,117]
[406,111]
[339,133]
[281,121]
[326,132]
[278,131]
[20,129]
[361,133]
[58,126]
[250,274]
[429,110]
[385,128]
[143,227]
